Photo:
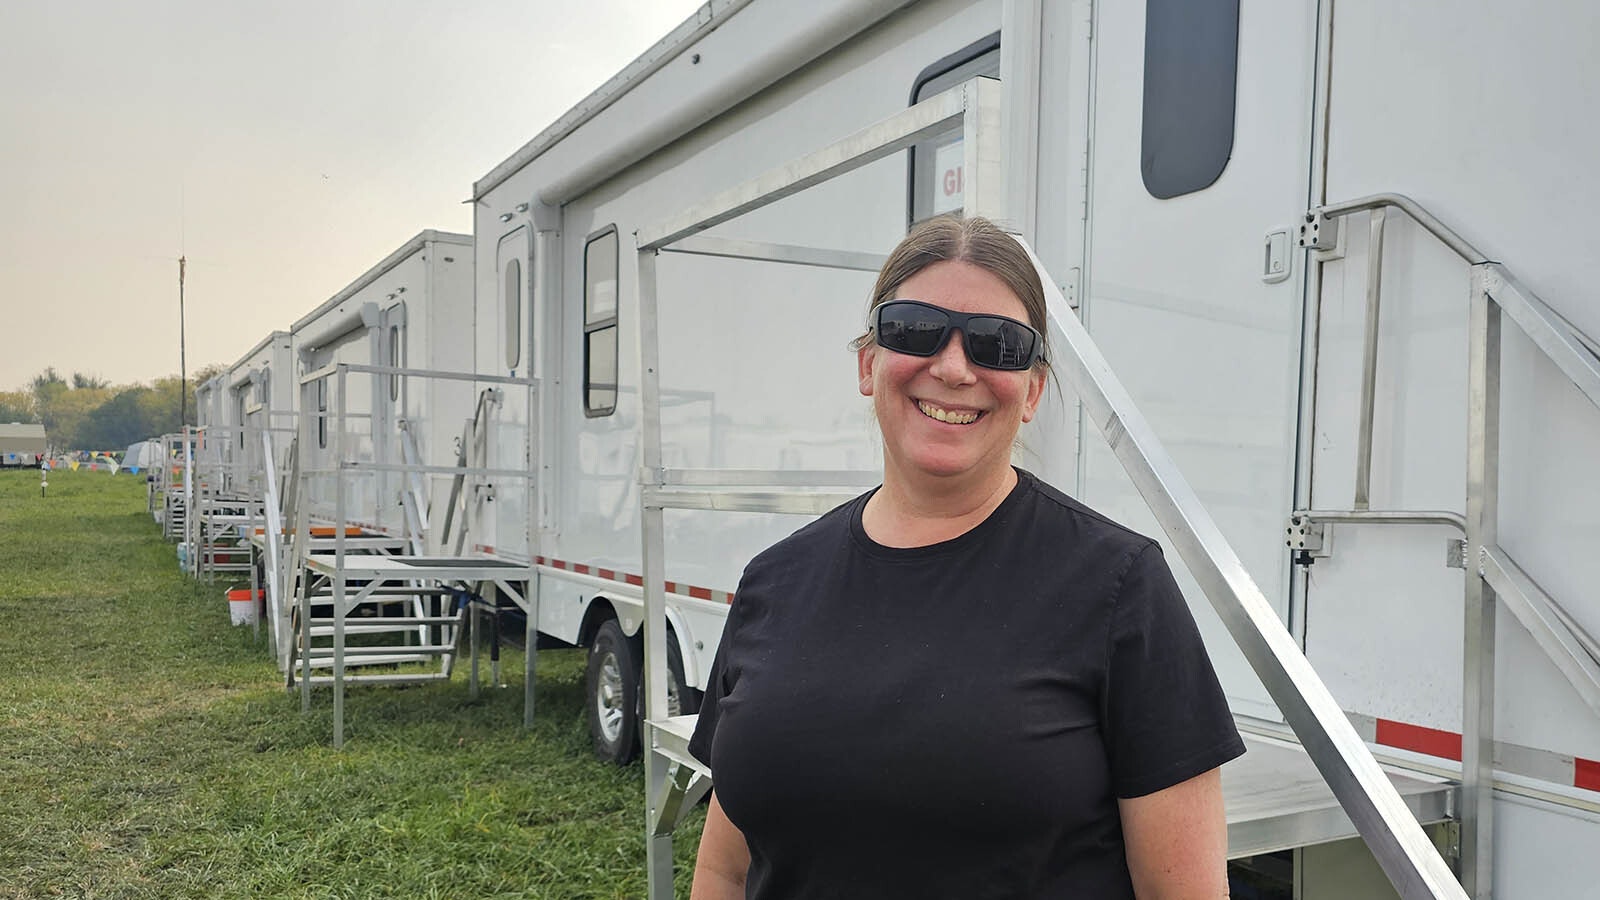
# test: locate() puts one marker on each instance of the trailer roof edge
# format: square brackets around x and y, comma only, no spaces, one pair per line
[277,334]
[703,21]
[422,239]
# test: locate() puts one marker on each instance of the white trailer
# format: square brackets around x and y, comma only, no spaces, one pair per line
[260,397]
[412,310]
[1294,231]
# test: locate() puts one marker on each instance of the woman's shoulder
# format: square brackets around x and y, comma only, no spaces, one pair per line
[818,537]
[1056,512]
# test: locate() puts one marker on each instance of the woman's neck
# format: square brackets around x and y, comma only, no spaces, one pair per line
[908,512]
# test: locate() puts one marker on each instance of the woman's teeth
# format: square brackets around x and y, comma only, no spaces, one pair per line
[944,415]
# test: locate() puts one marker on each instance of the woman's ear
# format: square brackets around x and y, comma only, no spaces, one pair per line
[1035,393]
[865,357]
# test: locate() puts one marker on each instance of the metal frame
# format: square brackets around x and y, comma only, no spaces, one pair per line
[1494,294]
[673,777]
[1406,853]
[343,559]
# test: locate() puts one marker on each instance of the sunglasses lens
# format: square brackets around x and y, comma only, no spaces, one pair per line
[999,343]
[910,328]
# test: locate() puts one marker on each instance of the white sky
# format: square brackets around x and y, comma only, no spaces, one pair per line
[285,147]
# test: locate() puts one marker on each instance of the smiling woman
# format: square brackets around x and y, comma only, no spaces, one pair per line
[1011,695]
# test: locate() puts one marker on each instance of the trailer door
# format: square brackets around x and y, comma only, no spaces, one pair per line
[1200,165]
[506,522]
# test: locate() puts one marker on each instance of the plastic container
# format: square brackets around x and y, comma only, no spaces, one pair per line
[242,606]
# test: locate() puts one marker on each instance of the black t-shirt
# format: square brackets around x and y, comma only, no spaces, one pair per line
[956,720]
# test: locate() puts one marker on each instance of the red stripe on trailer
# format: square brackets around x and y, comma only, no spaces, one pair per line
[1586,774]
[1416,738]
[672,587]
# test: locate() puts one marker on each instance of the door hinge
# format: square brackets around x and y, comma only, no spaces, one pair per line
[1307,540]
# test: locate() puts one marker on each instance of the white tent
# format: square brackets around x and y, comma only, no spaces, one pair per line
[141,456]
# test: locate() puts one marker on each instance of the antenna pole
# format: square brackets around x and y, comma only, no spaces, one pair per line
[183,363]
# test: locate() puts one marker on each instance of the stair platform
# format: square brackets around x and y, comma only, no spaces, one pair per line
[1275,798]
[433,568]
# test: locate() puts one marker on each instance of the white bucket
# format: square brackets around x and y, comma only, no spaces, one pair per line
[241,607]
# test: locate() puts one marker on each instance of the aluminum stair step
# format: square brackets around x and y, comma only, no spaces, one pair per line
[352,662]
[386,678]
[1274,796]
[383,626]
[423,652]
[1277,800]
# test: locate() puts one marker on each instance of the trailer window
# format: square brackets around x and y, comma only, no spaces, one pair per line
[600,324]
[322,413]
[1191,63]
[394,360]
[935,170]
[513,299]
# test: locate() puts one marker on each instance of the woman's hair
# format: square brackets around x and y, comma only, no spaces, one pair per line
[976,241]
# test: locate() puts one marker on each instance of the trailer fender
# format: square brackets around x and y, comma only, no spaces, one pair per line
[629,613]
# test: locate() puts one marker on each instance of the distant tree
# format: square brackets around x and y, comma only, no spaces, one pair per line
[159,407]
[88,413]
[17,406]
[48,387]
[70,414]
[118,422]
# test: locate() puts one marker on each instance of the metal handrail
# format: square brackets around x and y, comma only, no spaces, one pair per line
[1494,292]
[1417,213]
[1404,851]
[1575,353]
[1572,351]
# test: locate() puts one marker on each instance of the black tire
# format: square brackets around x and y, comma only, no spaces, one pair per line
[682,700]
[614,681]
[611,691]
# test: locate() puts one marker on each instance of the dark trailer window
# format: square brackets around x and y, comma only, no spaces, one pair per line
[1191,65]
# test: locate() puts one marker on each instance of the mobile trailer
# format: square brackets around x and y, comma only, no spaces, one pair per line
[22,445]
[260,397]
[1236,250]
[413,309]
[387,400]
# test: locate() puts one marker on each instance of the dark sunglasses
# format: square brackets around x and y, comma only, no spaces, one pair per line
[920,329]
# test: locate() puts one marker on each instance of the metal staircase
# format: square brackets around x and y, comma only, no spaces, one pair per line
[1323,784]
[378,602]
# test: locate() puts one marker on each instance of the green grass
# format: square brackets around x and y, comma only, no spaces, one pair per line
[148,748]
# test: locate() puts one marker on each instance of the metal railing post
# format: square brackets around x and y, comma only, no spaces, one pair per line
[1478,651]
[658,842]
[1402,849]
[1369,359]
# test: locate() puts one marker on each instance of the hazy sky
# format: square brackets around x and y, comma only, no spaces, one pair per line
[285,147]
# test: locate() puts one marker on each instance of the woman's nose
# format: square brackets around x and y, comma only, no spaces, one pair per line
[950,364]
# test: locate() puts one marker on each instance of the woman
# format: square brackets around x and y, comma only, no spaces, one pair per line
[963,683]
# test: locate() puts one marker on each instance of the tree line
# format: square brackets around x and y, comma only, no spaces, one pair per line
[85,412]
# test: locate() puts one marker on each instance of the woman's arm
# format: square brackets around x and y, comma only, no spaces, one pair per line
[1177,840]
[724,859]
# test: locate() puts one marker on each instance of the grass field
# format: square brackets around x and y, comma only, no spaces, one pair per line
[148,749]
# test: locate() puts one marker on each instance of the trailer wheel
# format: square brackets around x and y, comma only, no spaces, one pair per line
[682,700]
[615,689]
[612,682]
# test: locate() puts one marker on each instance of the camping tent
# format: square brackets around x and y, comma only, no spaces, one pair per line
[141,456]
